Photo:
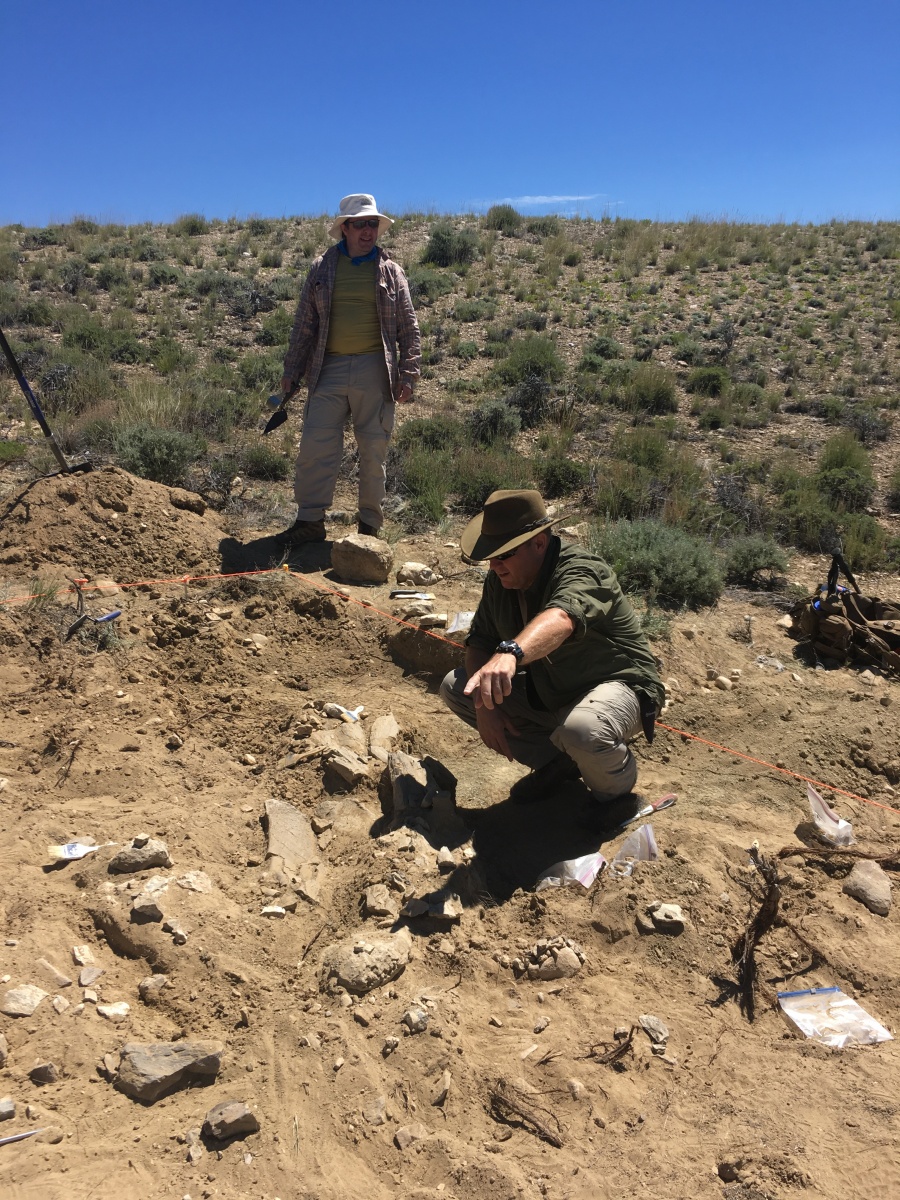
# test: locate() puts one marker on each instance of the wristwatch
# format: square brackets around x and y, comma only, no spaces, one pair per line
[511,648]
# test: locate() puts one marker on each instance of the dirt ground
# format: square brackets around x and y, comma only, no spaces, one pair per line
[205,700]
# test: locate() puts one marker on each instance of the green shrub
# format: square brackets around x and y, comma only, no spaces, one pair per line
[190,225]
[467,350]
[36,311]
[261,461]
[425,286]
[666,566]
[163,455]
[843,450]
[707,381]
[474,310]
[643,446]
[11,451]
[558,476]
[530,400]
[502,217]
[276,328]
[478,472]
[448,247]
[544,226]
[867,423]
[865,544]
[893,491]
[846,489]
[260,372]
[162,274]
[754,561]
[530,357]
[493,421]
[111,275]
[535,321]
[271,258]
[650,389]
[168,355]
[430,434]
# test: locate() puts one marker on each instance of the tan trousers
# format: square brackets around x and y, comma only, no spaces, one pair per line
[354,386]
[594,731]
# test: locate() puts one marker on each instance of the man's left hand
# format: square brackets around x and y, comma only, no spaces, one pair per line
[492,683]
[405,395]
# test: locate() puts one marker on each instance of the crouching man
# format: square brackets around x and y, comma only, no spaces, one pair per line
[559,674]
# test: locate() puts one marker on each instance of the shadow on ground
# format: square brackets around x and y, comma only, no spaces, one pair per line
[265,554]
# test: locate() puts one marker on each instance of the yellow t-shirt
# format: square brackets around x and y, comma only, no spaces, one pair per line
[353,326]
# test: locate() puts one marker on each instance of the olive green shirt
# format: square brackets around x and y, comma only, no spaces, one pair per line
[354,327]
[607,643]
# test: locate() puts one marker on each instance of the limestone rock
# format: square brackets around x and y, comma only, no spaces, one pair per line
[7,1108]
[22,1001]
[290,836]
[417,573]
[870,884]
[44,1073]
[228,1119]
[359,965]
[4,1050]
[53,973]
[407,1134]
[667,918]
[150,988]
[141,854]
[147,1070]
[360,559]
[382,736]
[380,903]
[349,766]
[188,501]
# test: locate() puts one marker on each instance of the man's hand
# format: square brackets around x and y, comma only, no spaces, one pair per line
[405,395]
[493,726]
[492,683]
[287,386]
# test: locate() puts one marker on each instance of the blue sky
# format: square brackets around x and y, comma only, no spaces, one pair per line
[138,111]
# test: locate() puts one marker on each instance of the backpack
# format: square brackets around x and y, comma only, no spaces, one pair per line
[846,626]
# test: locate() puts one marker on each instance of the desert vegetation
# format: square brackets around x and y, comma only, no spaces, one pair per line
[708,395]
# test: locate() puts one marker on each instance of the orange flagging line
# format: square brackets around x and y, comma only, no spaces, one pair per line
[185,579]
[782,770]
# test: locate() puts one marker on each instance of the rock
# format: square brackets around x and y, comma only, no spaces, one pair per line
[723,683]
[114,1012]
[83,955]
[415,1020]
[667,918]
[44,1073]
[445,861]
[390,1045]
[442,1091]
[22,1001]
[58,978]
[146,906]
[576,1088]
[147,1070]
[656,1030]
[88,976]
[141,854]
[360,559]
[4,1050]
[361,966]
[376,1113]
[870,884]
[7,1109]
[50,1135]
[60,1004]
[195,881]
[228,1119]
[291,840]
[407,1134]
[382,735]
[379,902]
[417,574]
[188,501]
[348,766]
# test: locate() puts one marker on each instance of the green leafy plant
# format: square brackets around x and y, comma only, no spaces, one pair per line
[754,561]
[502,217]
[163,455]
[667,566]
[449,247]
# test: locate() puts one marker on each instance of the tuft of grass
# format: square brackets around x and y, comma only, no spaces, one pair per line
[502,217]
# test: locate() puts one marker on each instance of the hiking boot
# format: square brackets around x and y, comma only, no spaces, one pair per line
[366,530]
[609,813]
[301,532]
[542,782]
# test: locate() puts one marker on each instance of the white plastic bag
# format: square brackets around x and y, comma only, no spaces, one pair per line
[830,1016]
[639,846]
[582,870]
[834,829]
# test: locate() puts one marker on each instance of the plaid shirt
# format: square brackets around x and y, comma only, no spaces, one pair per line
[399,327]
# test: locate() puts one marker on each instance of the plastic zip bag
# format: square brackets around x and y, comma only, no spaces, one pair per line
[639,846]
[582,870]
[834,829]
[830,1016]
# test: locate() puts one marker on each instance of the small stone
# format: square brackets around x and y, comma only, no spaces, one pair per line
[376,1113]
[415,1020]
[541,1024]
[443,1090]
[83,955]
[667,918]
[390,1045]
[44,1073]
[445,861]
[576,1088]
[88,976]
[22,1001]
[60,1004]
[7,1109]
[50,1135]
[142,854]
[379,902]
[230,1118]
[248,760]
[4,1050]
[147,1070]
[407,1134]
[723,683]
[114,1012]
[656,1030]
[150,987]
[870,885]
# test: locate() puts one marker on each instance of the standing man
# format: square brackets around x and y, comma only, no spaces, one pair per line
[559,674]
[356,342]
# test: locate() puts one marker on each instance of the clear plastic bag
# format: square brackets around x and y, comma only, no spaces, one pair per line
[582,870]
[639,846]
[830,1016]
[834,829]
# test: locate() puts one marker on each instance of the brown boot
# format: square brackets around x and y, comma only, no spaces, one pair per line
[301,532]
[543,783]
[367,530]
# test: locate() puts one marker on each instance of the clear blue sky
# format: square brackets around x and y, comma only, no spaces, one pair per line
[142,110]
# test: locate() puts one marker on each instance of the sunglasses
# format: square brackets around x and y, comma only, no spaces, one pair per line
[364,222]
[508,554]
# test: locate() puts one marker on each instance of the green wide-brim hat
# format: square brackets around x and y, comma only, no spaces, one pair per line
[508,519]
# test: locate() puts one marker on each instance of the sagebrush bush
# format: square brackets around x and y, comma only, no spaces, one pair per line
[843,450]
[430,433]
[449,247]
[754,561]
[893,491]
[708,381]
[261,461]
[559,475]
[530,357]
[493,421]
[163,455]
[650,389]
[502,217]
[474,310]
[425,286]
[544,226]
[666,566]
[846,489]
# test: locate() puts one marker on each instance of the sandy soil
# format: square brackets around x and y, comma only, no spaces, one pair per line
[206,699]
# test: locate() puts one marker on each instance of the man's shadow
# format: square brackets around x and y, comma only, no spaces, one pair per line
[266,554]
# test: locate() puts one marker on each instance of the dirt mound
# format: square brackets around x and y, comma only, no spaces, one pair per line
[488,1066]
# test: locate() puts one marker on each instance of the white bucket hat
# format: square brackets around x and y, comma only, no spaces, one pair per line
[354,207]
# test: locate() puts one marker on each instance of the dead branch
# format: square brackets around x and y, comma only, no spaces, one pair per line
[892,859]
[511,1107]
[63,773]
[743,952]
[613,1051]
